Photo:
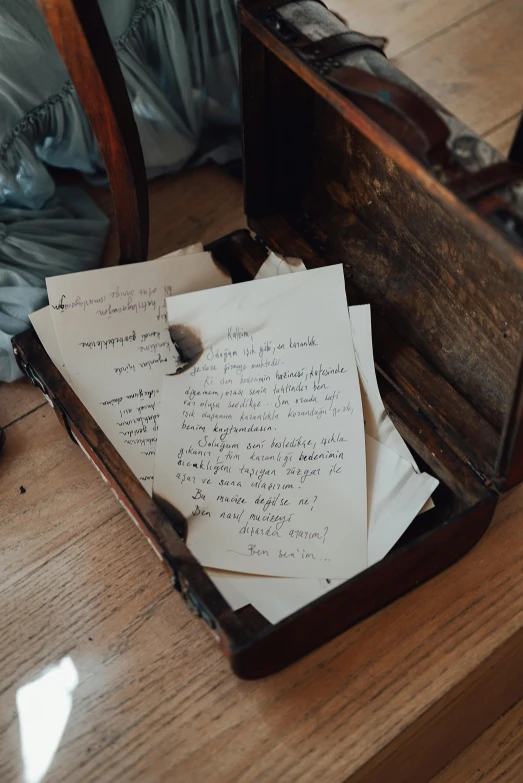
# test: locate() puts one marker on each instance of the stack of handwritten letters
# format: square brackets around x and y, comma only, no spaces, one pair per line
[253,409]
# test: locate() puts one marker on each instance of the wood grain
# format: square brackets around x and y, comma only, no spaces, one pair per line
[38,459]
[335,181]
[18,399]
[501,136]
[407,23]
[496,756]
[198,205]
[475,69]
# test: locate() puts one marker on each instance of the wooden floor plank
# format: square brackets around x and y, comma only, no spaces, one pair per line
[495,757]
[90,602]
[475,69]
[196,206]
[406,23]
[501,137]
[49,495]
[212,206]
[17,399]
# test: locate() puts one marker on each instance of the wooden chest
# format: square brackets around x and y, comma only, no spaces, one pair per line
[345,160]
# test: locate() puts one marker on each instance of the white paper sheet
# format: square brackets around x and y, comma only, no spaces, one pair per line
[275,265]
[281,597]
[112,332]
[396,492]
[377,423]
[42,322]
[395,495]
[261,437]
[185,251]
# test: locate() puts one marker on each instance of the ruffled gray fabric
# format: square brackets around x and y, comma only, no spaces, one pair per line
[65,235]
[179,62]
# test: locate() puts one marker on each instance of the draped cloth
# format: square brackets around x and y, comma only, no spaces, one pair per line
[180,63]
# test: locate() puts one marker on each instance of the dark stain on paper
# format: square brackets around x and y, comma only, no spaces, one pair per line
[188,343]
[293,261]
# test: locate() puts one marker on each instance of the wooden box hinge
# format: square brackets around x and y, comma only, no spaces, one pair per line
[55,404]
[485,480]
[193,603]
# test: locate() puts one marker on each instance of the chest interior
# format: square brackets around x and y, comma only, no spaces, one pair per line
[446,299]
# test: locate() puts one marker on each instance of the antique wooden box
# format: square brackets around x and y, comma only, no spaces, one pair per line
[347,161]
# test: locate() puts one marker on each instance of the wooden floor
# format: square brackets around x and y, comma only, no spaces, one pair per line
[393,700]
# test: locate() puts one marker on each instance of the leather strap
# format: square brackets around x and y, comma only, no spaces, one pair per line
[492,207]
[342,43]
[489,204]
[474,186]
[402,113]
[268,6]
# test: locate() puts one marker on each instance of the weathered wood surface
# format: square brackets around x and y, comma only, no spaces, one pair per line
[496,756]
[18,399]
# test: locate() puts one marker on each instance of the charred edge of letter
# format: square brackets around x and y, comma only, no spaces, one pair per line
[188,343]
[175,516]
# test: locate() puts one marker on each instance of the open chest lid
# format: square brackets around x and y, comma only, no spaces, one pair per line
[333,175]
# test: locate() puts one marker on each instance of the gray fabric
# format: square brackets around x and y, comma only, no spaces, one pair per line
[179,62]
[65,235]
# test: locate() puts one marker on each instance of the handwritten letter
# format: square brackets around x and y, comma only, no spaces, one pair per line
[112,333]
[261,436]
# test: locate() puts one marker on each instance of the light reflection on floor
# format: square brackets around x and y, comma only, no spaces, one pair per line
[44,706]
